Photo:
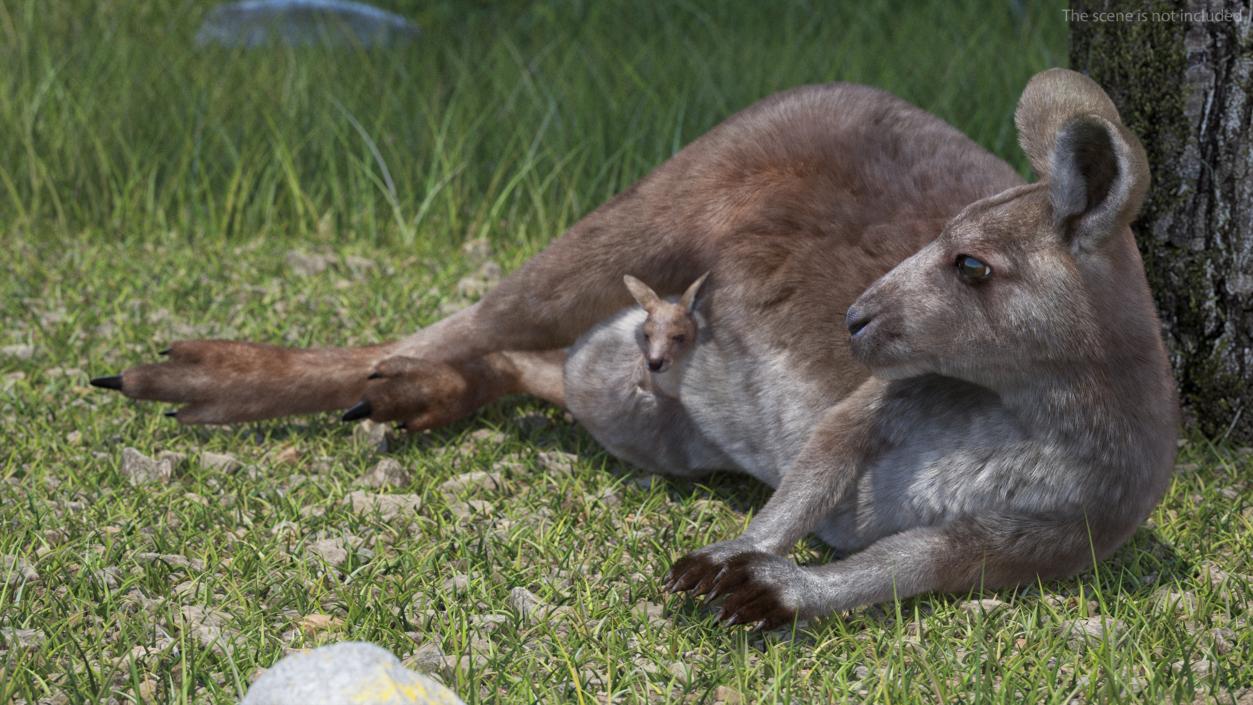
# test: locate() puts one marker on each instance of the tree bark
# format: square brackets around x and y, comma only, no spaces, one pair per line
[1182,84]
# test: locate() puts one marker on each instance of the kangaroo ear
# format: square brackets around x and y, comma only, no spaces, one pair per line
[1098,180]
[1096,169]
[644,296]
[691,297]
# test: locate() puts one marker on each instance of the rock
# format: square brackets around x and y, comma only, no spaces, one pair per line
[139,469]
[177,461]
[680,671]
[18,352]
[533,424]
[206,625]
[428,659]
[478,480]
[471,509]
[222,462]
[477,251]
[311,624]
[525,602]
[348,672]
[557,462]
[1199,669]
[985,606]
[288,455]
[728,695]
[372,434]
[473,286]
[1175,600]
[15,569]
[388,506]
[457,583]
[486,436]
[648,611]
[488,622]
[21,638]
[307,264]
[171,559]
[388,472]
[74,438]
[1092,629]
[333,551]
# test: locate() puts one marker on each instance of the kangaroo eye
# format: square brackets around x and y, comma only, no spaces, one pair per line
[973,270]
[679,338]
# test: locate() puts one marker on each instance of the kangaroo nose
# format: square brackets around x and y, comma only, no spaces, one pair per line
[856,319]
[655,365]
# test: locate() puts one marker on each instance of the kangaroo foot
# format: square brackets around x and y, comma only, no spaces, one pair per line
[424,394]
[223,381]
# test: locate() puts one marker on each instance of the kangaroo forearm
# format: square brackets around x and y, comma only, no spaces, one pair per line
[843,441]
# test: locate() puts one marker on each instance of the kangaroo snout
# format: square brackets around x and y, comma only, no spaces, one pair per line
[857,319]
[656,364]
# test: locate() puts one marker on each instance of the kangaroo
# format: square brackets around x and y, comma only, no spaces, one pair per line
[625,379]
[665,336]
[953,377]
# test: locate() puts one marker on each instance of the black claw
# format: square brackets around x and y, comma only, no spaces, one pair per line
[172,414]
[167,351]
[360,410]
[375,375]
[112,382]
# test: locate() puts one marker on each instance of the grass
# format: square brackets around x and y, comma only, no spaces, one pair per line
[152,191]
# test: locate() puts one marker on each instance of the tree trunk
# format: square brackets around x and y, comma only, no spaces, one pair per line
[1182,83]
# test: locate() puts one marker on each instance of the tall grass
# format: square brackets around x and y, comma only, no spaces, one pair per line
[509,120]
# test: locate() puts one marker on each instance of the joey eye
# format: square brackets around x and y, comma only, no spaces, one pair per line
[972,269]
[647,336]
[679,338]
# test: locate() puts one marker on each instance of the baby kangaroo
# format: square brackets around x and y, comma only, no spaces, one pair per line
[623,381]
[666,336]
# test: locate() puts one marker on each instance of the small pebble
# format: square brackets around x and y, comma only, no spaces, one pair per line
[139,469]
[388,472]
[222,462]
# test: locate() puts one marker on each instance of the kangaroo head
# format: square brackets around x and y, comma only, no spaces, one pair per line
[1039,275]
[669,330]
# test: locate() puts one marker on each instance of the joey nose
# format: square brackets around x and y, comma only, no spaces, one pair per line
[857,319]
[655,365]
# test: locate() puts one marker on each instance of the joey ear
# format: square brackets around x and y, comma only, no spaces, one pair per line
[691,297]
[1096,169]
[1098,178]
[644,296]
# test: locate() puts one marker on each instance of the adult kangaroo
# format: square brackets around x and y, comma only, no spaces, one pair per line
[1000,407]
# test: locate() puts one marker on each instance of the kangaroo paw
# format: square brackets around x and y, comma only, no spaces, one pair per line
[223,381]
[419,393]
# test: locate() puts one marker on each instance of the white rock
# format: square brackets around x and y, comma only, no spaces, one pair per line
[525,602]
[139,469]
[389,506]
[478,479]
[349,672]
[373,434]
[986,606]
[427,659]
[557,462]
[1092,629]
[388,472]
[15,569]
[18,352]
[308,263]
[21,638]
[333,551]
[222,462]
